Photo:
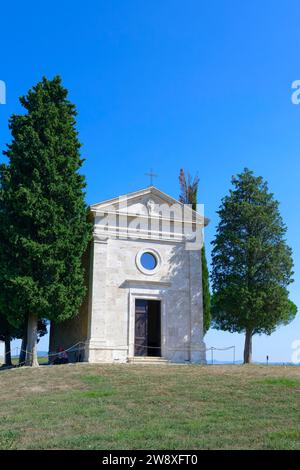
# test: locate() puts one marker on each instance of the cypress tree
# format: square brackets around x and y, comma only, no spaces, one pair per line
[252,265]
[188,195]
[7,333]
[45,230]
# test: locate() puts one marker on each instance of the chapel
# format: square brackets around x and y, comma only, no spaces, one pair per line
[144,284]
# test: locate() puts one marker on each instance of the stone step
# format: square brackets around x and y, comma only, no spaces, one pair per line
[147,360]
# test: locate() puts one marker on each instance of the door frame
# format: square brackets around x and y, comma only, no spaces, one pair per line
[145,311]
[131,324]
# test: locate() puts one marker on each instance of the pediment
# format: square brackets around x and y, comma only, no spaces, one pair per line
[148,202]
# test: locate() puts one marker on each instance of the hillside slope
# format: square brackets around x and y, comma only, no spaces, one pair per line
[150,407]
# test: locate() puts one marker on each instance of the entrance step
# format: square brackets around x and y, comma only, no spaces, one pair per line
[148,360]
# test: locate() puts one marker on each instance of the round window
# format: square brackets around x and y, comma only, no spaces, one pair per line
[148,261]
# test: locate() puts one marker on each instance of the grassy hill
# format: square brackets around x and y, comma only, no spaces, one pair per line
[147,407]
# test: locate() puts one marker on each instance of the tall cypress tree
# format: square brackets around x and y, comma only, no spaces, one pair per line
[44,216]
[252,265]
[188,195]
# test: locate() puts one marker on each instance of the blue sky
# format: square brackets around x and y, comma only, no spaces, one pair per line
[165,84]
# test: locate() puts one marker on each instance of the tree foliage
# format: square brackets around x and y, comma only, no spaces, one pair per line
[44,228]
[188,195]
[188,188]
[251,262]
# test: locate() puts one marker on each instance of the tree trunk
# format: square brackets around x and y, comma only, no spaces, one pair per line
[31,349]
[248,347]
[7,361]
[22,355]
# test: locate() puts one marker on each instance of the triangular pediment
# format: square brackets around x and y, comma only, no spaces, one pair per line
[146,202]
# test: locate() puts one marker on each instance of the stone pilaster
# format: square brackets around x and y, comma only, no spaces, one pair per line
[197,345]
[97,301]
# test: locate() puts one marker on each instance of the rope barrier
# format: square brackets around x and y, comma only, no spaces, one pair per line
[11,353]
[19,350]
[212,349]
[76,348]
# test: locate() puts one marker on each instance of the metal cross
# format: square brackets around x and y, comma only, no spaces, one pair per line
[151,175]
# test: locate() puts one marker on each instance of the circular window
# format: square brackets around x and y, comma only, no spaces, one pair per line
[148,261]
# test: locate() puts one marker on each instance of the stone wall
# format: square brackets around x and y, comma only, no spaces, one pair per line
[75,330]
[117,281]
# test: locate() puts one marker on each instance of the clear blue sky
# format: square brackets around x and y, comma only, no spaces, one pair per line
[165,84]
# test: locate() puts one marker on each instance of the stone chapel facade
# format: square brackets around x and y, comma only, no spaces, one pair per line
[144,281]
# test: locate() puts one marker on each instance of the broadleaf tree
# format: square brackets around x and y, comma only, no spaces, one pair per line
[252,265]
[188,195]
[45,229]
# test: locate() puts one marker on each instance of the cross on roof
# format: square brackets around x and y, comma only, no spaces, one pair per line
[151,175]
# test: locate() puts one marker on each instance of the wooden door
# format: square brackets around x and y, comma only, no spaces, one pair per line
[141,327]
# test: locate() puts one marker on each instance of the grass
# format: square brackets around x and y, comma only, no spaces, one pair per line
[150,407]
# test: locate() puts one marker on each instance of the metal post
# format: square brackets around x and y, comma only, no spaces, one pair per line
[212,355]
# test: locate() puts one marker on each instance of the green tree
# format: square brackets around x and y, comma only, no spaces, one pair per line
[7,333]
[251,262]
[43,213]
[188,195]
